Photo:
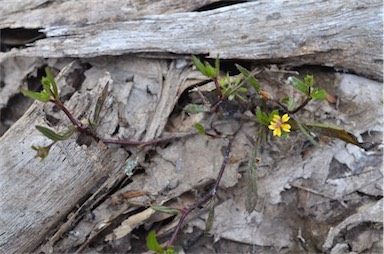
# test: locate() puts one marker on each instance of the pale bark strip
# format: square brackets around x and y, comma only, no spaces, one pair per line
[36,195]
[344,35]
[45,13]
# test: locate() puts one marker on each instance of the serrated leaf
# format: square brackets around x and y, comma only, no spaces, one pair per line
[252,80]
[53,135]
[152,243]
[165,209]
[200,128]
[195,109]
[40,96]
[299,85]
[319,95]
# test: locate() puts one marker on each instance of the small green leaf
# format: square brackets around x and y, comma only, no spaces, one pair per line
[274,112]
[53,135]
[290,102]
[211,72]
[152,243]
[53,83]
[42,152]
[47,86]
[252,80]
[195,109]
[200,128]
[40,96]
[200,66]
[318,94]
[165,209]
[299,85]
[305,132]
[308,80]
[262,117]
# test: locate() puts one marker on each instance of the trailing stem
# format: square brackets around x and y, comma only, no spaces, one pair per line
[210,195]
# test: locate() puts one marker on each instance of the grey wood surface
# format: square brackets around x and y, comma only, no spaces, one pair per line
[342,34]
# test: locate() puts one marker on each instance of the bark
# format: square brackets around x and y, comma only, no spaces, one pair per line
[347,36]
[127,44]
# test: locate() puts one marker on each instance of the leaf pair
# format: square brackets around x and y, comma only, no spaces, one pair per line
[50,89]
[306,87]
[207,69]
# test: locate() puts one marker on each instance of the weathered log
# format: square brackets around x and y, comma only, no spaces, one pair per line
[35,197]
[347,36]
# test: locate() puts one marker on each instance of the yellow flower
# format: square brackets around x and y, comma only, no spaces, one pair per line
[279,123]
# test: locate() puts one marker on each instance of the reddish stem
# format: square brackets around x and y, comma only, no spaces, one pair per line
[211,194]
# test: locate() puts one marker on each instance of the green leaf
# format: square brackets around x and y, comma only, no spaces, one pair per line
[42,152]
[290,102]
[152,243]
[262,117]
[200,66]
[318,95]
[53,135]
[42,96]
[305,132]
[334,132]
[299,85]
[195,109]
[308,80]
[274,112]
[211,72]
[47,86]
[53,83]
[252,80]
[165,209]
[243,89]
[200,128]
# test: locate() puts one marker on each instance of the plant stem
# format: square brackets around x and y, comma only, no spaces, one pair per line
[300,107]
[211,194]
[218,89]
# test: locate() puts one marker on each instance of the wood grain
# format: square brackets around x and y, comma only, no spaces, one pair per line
[333,33]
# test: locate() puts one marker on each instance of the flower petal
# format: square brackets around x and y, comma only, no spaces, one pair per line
[277,132]
[276,118]
[285,118]
[272,126]
[286,127]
